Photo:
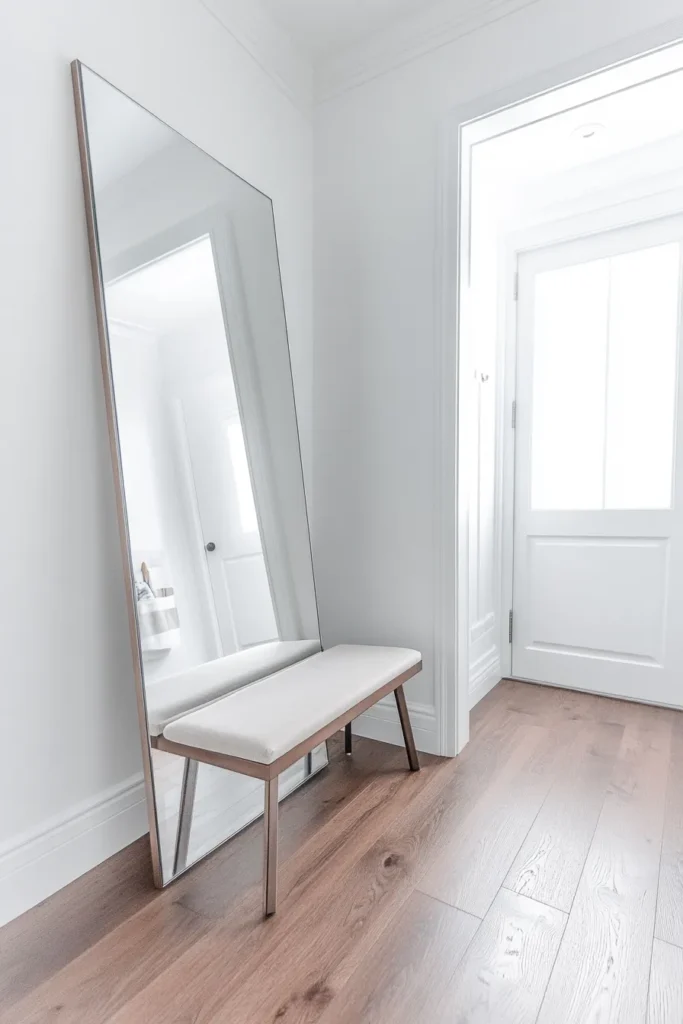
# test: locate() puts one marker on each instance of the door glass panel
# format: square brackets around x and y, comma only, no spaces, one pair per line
[641,389]
[604,382]
[570,362]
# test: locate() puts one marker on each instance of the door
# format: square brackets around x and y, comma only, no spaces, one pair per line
[244,607]
[598,530]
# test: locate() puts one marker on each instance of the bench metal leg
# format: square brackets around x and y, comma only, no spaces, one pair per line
[407,729]
[270,847]
[187,794]
[348,739]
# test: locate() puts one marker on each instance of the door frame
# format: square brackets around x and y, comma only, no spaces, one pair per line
[465,126]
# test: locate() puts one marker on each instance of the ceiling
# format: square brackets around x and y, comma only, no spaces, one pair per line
[323,27]
[626,121]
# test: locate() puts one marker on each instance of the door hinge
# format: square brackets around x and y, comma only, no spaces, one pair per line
[513,418]
[510,627]
[515,286]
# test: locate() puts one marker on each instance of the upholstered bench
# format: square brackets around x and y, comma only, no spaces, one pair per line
[263,728]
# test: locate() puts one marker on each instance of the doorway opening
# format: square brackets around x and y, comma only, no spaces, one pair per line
[570,463]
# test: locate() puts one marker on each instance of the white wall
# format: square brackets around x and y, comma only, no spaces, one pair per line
[69,735]
[378,169]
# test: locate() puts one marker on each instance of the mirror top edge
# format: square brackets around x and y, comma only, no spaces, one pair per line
[78,67]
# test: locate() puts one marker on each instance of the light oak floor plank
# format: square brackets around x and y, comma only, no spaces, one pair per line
[602,969]
[550,861]
[669,923]
[94,986]
[503,975]
[332,923]
[473,859]
[409,967]
[665,1005]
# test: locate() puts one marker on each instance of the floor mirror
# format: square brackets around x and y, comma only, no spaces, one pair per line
[205,448]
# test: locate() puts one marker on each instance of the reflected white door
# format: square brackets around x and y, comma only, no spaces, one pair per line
[598,533]
[244,607]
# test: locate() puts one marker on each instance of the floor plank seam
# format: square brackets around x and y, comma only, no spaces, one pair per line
[523,841]
[578,885]
[552,969]
[659,870]
[667,942]
[445,903]
[534,899]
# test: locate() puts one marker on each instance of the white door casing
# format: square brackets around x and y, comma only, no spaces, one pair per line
[598,533]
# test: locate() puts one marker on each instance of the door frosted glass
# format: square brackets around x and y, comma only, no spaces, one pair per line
[570,362]
[641,391]
[605,353]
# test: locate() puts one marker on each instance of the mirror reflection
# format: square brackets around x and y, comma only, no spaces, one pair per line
[203,417]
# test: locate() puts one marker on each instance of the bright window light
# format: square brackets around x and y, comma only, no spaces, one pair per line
[604,382]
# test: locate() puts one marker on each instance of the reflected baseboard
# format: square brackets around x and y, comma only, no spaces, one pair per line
[38,863]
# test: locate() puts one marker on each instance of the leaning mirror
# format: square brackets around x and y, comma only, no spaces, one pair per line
[204,440]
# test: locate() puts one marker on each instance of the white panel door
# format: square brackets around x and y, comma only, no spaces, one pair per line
[598,532]
[237,568]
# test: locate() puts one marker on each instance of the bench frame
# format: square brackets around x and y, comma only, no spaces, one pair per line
[269,773]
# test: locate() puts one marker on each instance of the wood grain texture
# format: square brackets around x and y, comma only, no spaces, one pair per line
[472,861]
[669,923]
[602,969]
[347,897]
[129,958]
[334,893]
[44,940]
[665,1004]
[549,864]
[502,978]
[346,791]
[52,935]
[355,939]
[410,966]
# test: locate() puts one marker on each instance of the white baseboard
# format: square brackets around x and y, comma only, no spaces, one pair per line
[484,675]
[381,723]
[36,864]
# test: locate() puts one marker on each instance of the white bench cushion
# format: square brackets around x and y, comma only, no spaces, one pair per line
[269,718]
[190,690]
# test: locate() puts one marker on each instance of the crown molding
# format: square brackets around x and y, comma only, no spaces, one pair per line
[270,46]
[412,37]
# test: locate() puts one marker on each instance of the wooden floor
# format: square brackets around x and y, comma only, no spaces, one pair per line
[537,877]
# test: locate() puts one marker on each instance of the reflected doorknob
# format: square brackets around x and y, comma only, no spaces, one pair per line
[211,546]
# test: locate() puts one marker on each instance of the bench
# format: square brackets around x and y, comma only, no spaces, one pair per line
[265,727]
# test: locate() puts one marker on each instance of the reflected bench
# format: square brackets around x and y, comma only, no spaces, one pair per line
[263,728]
[176,695]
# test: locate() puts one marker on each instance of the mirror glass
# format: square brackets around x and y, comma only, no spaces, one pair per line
[206,448]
